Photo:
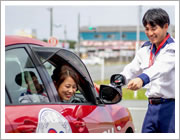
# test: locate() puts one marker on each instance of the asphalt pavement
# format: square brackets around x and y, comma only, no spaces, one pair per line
[138,110]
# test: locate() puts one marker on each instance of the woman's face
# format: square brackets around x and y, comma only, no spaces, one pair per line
[67,89]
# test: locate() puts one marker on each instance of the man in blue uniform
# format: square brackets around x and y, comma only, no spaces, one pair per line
[154,64]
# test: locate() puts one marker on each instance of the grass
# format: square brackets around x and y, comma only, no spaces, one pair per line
[128,94]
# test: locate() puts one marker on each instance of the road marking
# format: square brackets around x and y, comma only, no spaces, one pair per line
[137,108]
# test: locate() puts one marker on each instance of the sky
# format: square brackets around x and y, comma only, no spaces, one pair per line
[24,17]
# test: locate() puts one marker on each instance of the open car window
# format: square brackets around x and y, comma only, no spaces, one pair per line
[53,57]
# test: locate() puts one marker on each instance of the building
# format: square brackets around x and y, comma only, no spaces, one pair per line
[112,41]
[111,33]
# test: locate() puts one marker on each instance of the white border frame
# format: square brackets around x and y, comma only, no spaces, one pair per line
[91,135]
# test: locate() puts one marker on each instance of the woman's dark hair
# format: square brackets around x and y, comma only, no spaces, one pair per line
[156,16]
[61,73]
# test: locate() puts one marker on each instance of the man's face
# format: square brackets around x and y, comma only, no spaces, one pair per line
[156,34]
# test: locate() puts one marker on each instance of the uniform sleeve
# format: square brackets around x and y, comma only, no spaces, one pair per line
[161,67]
[133,69]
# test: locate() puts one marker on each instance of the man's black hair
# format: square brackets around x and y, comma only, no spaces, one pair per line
[156,16]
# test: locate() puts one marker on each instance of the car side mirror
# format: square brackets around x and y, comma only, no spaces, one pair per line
[109,94]
[118,80]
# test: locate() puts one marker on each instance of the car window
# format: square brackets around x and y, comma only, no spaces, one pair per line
[54,57]
[76,62]
[22,80]
[80,96]
[7,99]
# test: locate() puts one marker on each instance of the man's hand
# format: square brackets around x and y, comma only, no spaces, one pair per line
[135,84]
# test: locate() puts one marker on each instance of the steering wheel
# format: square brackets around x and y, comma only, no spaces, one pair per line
[76,100]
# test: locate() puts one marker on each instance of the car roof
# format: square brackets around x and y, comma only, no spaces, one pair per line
[13,39]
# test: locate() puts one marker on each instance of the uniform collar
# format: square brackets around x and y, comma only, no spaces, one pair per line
[169,41]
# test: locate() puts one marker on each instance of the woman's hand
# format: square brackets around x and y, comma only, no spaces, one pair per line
[97,87]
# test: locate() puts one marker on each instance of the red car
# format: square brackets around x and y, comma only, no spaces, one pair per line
[92,112]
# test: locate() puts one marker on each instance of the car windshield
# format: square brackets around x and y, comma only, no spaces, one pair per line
[53,55]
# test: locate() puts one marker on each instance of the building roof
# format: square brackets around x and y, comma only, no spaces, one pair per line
[112,29]
[117,28]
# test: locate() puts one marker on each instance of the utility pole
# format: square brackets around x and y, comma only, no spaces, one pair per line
[51,21]
[78,46]
[138,28]
[65,34]
[138,35]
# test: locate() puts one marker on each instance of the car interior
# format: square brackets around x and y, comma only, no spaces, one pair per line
[11,85]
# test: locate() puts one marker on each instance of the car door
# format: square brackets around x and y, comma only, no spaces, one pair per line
[29,117]
[8,126]
[87,116]
[90,119]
